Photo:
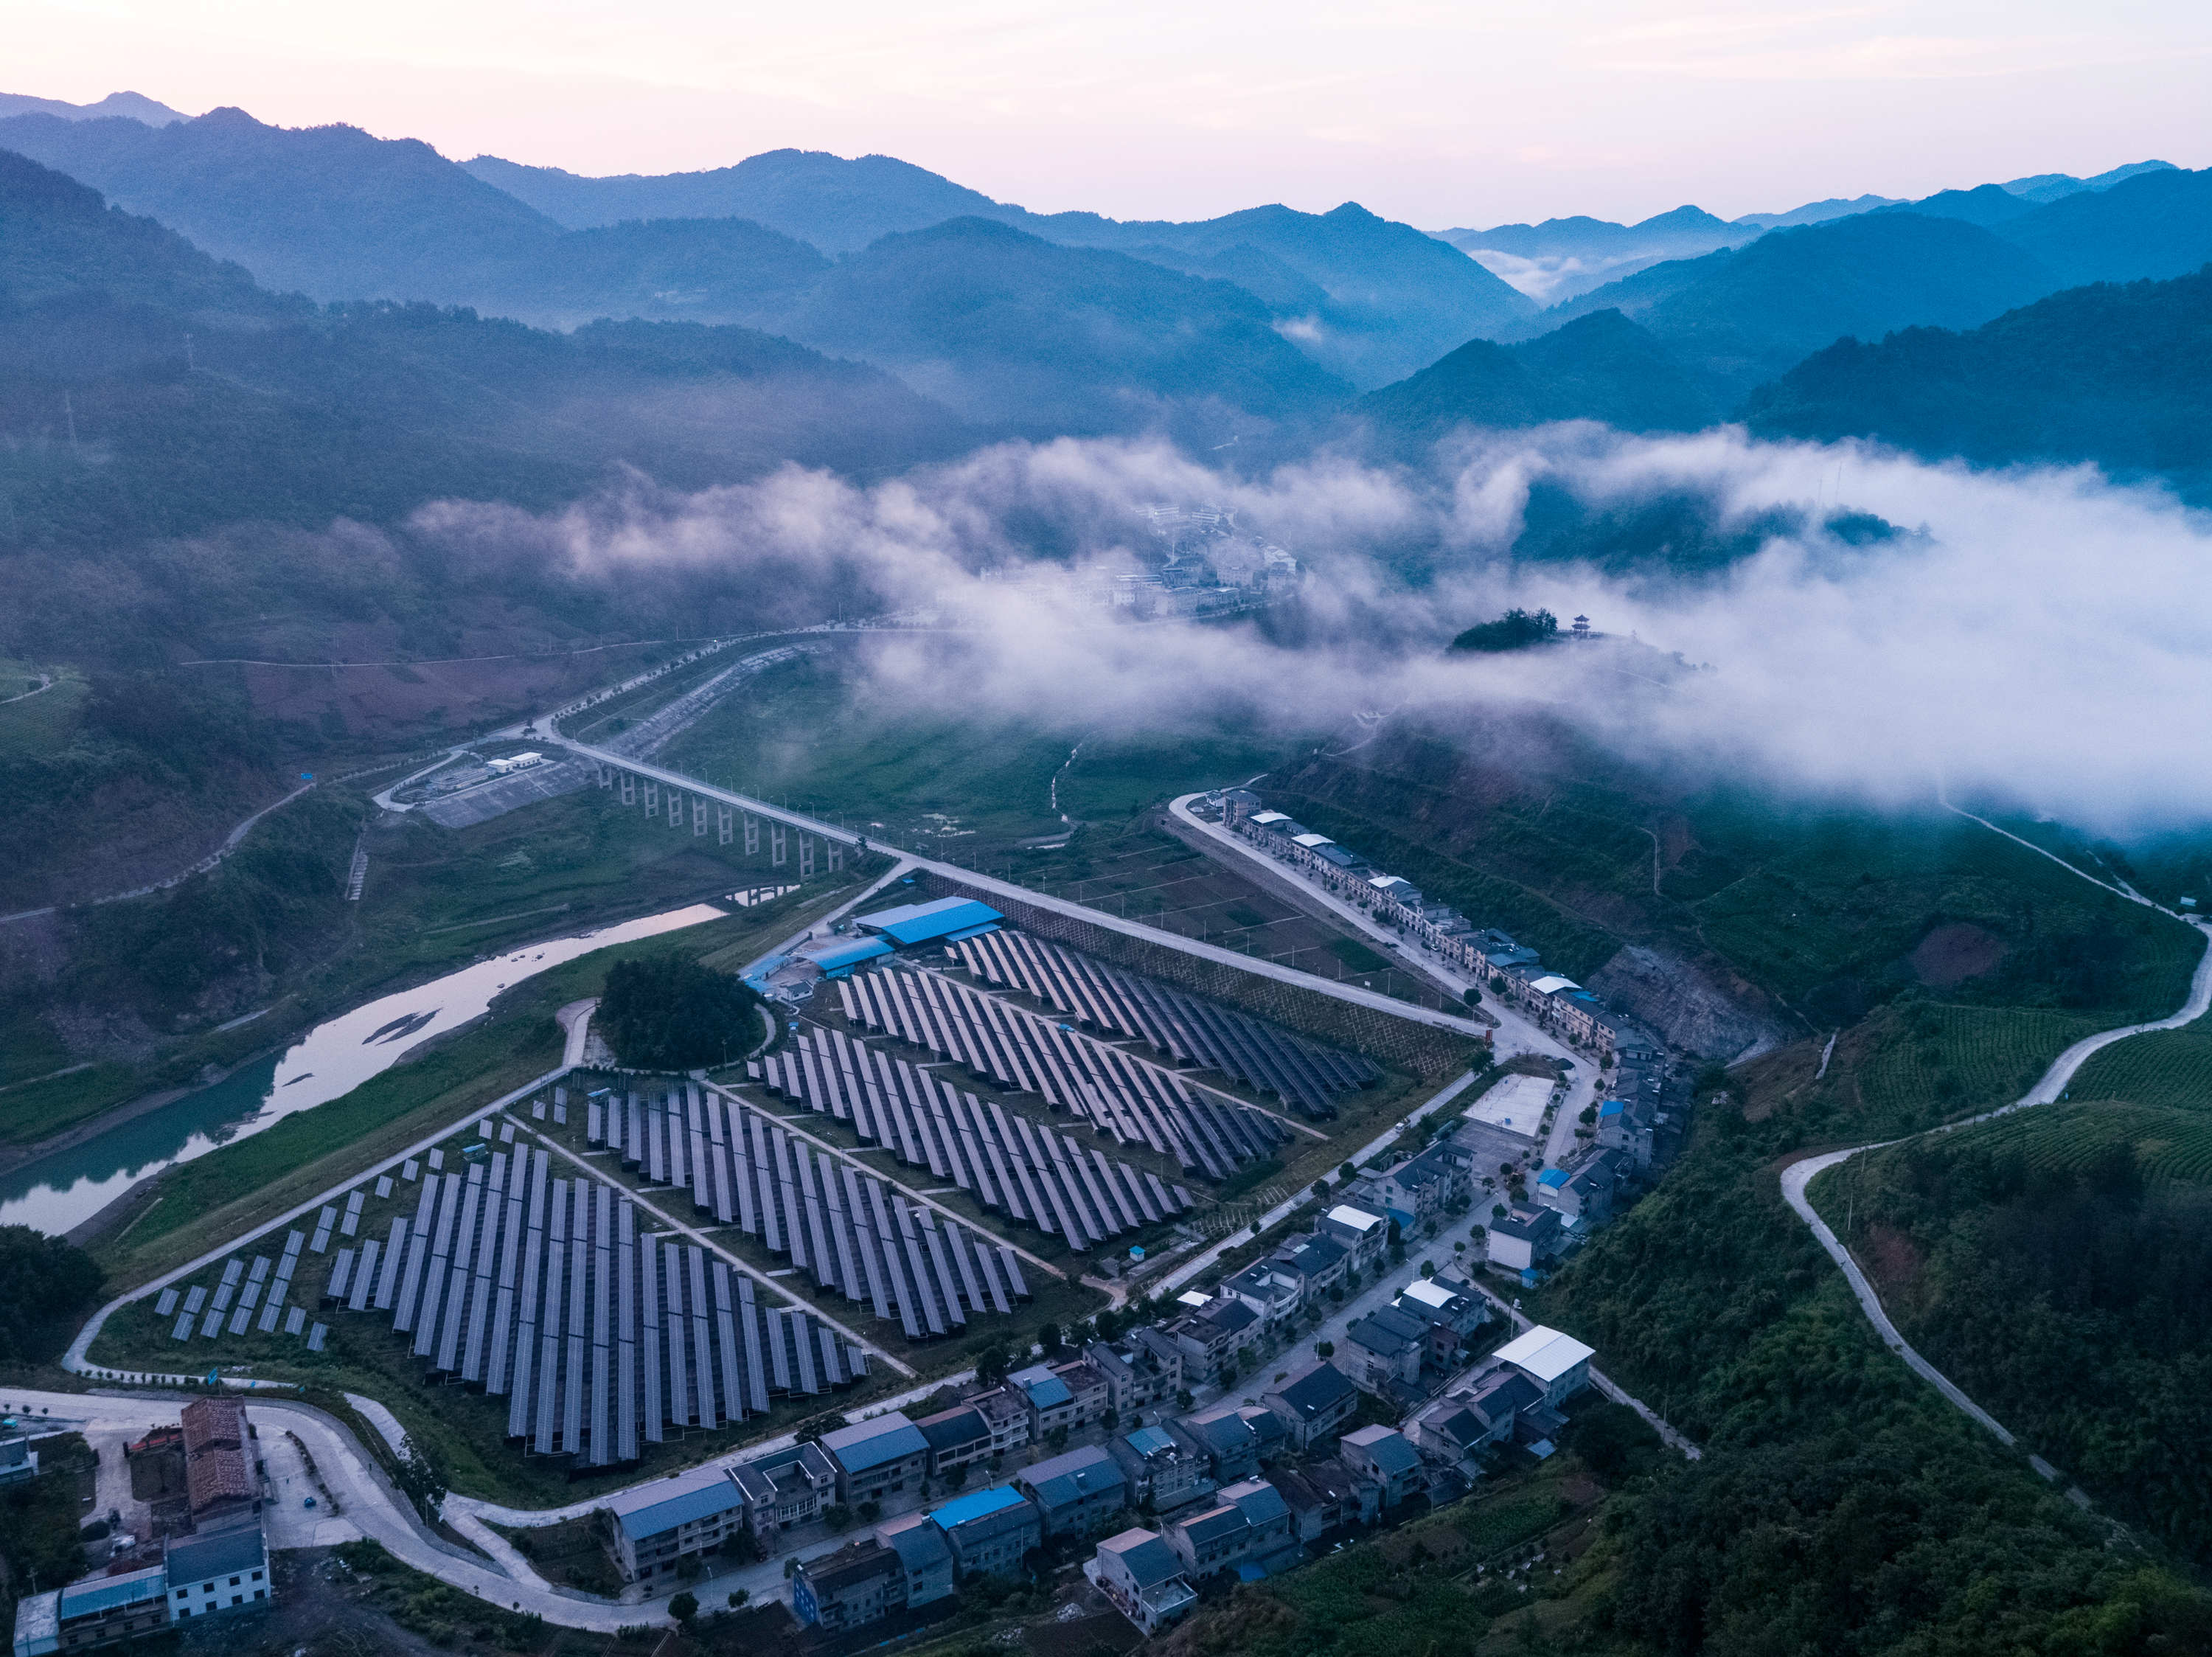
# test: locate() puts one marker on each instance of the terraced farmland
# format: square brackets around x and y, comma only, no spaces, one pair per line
[2169,1144]
[2171,1066]
[1936,1061]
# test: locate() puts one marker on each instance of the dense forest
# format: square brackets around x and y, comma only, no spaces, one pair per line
[2043,1272]
[2113,375]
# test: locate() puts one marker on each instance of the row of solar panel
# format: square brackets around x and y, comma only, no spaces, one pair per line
[1003,1159]
[544,1291]
[1131,1097]
[1184,1027]
[856,1234]
[212,1321]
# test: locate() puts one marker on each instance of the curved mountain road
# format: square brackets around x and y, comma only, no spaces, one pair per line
[1797,1178]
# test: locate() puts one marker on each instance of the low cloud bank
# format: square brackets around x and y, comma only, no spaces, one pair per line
[2039,637]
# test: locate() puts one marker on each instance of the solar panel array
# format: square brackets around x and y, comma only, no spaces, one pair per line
[999,1157]
[231,1307]
[1131,1098]
[600,1337]
[854,1232]
[1185,1029]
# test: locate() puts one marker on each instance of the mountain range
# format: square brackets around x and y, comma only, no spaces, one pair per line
[148,390]
[705,313]
[1561,259]
[339,214]
[126,106]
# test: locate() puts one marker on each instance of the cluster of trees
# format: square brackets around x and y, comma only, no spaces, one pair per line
[47,1285]
[669,1013]
[1517,630]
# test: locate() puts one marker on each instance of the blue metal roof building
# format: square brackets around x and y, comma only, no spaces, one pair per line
[976,1504]
[838,956]
[943,921]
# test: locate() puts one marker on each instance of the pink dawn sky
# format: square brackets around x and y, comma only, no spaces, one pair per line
[1438,114]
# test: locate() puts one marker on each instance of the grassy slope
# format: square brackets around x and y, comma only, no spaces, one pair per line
[814,735]
[1818,911]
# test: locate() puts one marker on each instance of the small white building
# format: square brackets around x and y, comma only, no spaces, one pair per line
[1558,1364]
[513,761]
[1363,1232]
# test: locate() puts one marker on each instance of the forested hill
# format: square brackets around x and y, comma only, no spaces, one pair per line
[2113,374]
[1600,367]
[148,391]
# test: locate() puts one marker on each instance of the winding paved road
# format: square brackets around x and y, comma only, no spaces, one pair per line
[1798,1177]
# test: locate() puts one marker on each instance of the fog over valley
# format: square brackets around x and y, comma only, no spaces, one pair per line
[1177,832]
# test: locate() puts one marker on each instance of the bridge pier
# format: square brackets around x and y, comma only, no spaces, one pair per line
[675,812]
[652,798]
[753,836]
[775,844]
[698,817]
[806,858]
[722,825]
[629,789]
[837,854]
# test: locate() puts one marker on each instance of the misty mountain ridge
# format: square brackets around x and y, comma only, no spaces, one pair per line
[1740,317]
[148,390]
[1560,260]
[1600,367]
[127,105]
[340,214]
[2109,374]
[1376,300]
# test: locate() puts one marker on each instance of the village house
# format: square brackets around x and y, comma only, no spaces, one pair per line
[1161,1468]
[1074,1494]
[1526,1239]
[957,1437]
[1229,1444]
[876,1458]
[1381,1457]
[1312,1403]
[1324,1495]
[1142,1368]
[656,1525]
[1142,1578]
[1249,1523]
[989,1532]
[1383,1351]
[785,1488]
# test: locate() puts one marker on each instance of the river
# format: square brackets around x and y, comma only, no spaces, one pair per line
[332,1059]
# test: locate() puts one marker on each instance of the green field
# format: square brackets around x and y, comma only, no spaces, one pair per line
[1821,909]
[2055,1264]
[1918,1065]
[434,900]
